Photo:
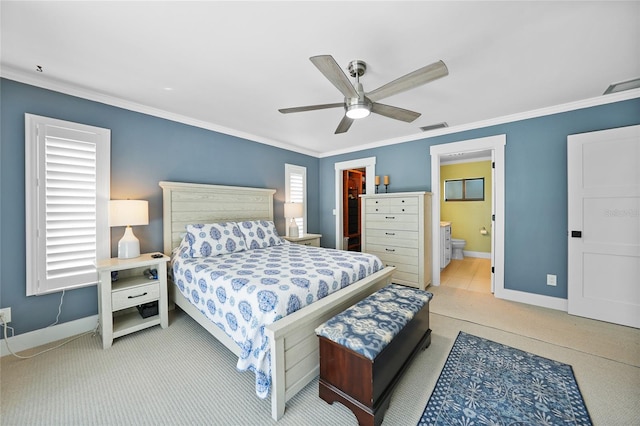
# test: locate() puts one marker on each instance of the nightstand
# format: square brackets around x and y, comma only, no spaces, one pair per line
[306,240]
[118,300]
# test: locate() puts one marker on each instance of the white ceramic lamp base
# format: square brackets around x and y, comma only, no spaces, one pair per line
[293,229]
[128,246]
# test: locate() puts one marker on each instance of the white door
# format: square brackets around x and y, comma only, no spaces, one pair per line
[603,171]
[493,220]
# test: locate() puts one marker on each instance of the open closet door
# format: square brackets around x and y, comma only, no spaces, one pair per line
[603,173]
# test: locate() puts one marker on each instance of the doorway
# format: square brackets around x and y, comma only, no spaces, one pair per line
[354,185]
[495,145]
[368,165]
[465,211]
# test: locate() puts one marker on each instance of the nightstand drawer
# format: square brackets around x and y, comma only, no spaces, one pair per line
[133,296]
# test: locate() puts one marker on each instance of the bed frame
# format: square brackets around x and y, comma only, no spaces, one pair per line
[294,344]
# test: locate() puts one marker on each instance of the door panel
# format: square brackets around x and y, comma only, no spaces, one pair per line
[603,170]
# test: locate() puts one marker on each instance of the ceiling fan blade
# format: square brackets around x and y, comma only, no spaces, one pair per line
[395,112]
[310,108]
[330,68]
[344,125]
[410,81]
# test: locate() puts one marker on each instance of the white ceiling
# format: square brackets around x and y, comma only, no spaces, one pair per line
[229,66]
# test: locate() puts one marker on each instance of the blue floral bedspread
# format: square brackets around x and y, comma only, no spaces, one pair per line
[245,291]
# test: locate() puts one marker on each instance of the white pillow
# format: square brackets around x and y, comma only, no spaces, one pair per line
[260,234]
[214,239]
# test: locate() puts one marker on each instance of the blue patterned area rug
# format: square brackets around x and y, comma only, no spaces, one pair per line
[487,383]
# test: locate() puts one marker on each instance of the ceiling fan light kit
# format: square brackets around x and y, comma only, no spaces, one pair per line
[357,108]
[358,104]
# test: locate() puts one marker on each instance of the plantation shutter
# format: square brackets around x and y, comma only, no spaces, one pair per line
[296,192]
[69,218]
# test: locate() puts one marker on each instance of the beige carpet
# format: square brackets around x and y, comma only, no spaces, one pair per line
[182,376]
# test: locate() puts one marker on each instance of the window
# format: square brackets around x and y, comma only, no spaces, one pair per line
[66,203]
[296,192]
[464,189]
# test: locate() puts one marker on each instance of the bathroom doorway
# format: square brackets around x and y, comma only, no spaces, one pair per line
[466,206]
[494,146]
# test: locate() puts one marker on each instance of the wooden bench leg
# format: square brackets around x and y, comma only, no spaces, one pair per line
[364,415]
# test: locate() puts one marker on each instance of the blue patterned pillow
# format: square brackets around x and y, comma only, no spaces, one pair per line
[214,239]
[260,234]
[183,251]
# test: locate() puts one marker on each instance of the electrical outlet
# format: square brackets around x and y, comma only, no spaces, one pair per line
[551,279]
[5,315]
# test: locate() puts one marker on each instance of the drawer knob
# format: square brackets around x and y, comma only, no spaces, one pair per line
[139,295]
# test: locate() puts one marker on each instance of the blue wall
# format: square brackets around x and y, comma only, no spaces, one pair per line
[535,186]
[144,151]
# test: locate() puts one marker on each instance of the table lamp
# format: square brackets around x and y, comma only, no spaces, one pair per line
[128,213]
[292,211]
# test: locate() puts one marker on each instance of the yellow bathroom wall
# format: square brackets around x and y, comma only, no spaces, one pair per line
[468,217]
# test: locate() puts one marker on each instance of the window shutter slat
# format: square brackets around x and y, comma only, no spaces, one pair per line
[70,210]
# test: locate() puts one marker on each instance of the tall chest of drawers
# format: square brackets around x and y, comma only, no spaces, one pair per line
[396,227]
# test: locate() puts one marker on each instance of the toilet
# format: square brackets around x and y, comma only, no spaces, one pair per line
[457,245]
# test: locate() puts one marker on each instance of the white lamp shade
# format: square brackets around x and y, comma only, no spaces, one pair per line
[293,210]
[128,212]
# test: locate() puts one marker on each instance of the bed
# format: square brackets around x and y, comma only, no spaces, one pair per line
[293,345]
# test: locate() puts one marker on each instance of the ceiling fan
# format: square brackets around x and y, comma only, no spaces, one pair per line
[357,103]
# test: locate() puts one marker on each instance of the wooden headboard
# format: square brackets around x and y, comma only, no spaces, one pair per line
[189,203]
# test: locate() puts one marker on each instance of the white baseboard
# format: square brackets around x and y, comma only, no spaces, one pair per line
[36,338]
[480,254]
[532,299]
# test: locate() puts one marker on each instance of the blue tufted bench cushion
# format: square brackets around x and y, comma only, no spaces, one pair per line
[371,324]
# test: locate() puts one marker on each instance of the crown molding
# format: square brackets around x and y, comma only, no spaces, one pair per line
[92,95]
[541,112]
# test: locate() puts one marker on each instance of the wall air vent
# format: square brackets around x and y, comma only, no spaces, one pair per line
[621,86]
[434,126]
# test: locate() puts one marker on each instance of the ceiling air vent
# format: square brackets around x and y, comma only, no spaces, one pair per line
[622,86]
[434,126]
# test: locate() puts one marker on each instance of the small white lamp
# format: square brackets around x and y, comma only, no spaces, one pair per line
[292,211]
[128,213]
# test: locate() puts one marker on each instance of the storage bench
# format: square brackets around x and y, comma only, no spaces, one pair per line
[365,350]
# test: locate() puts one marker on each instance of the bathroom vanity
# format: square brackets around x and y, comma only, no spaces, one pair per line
[445,244]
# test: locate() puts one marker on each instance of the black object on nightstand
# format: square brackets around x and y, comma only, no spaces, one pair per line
[148,309]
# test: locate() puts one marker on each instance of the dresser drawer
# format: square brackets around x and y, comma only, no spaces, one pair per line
[400,209]
[391,250]
[392,205]
[402,264]
[133,296]
[403,205]
[395,254]
[388,237]
[390,221]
